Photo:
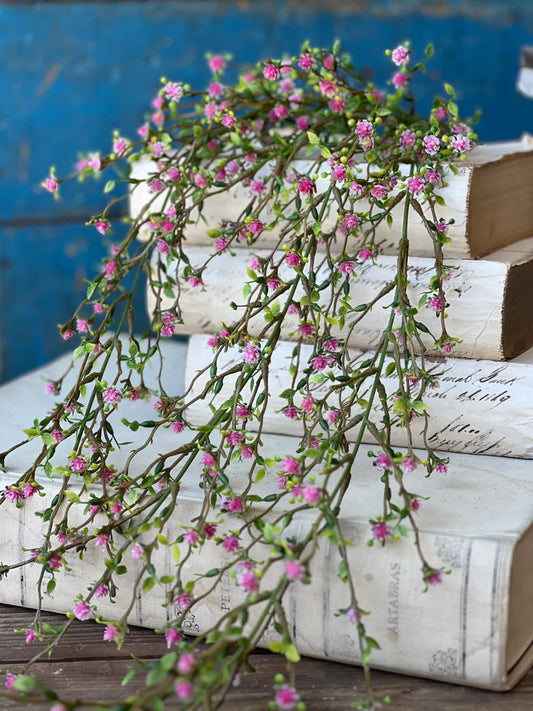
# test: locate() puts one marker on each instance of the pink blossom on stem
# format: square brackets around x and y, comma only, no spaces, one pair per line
[291,412]
[294,570]
[191,537]
[291,465]
[378,191]
[409,464]
[292,259]
[347,268]
[435,304]
[365,254]
[435,577]
[400,56]
[102,226]
[286,698]
[306,186]
[112,395]
[407,139]
[78,465]
[82,611]
[431,144]
[10,680]
[184,690]
[399,80]
[172,636]
[248,581]
[186,663]
[50,184]
[271,72]
[302,122]
[110,633]
[381,531]
[173,91]
[217,63]
[230,543]
[415,184]
[382,461]
[311,494]
[306,62]
[251,353]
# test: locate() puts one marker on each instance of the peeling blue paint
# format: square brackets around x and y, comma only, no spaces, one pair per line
[73,72]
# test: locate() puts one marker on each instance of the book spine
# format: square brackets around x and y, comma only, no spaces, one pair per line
[455,632]
[229,206]
[474,292]
[478,407]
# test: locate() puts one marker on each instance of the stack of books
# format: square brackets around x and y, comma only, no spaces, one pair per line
[475,628]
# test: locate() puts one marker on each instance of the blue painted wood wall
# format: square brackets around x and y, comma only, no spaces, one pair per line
[73,72]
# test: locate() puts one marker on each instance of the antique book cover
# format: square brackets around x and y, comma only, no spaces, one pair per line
[475,628]
[475,406]
[490,199]
[489,299]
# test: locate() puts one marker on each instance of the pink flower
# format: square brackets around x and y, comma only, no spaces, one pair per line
[194,281]
[306,62]
[178,426]
[339,172]
[137,552]
[382,461]
[10,680]
[173,91]
[381,531]
[321,361]
[273,283]
[351,221]
[102,226]
[210,529]
[256,227]
[230,543]
[172,636]
[409,464]
[217,63]
[210,110]
[347,267]
[271,72]
[408,139]
[247,452]
[311,494]
[234,505]
[378,191]
[251,354]
[294,570]
[248,581]
[183,600]
[186,663]
[356,189]
[208,460]
[293,260]
[415,505]
[329,61]
[82,611]
[191,537]
[308,404]
[441,113]
[31,636]
[102,539]
[337,103]
[286,698]
[400,56]
[431,145]
[364,128]
[51,388]
[441,468]
[415,184]
[351,615]
[184,690]
[435,577]
[110,633]
[302,122]
[306,330]
[78,465]
[112,395]
[291,412]
[291,465]
[101,591]
[435,304]
[228,120]
[365,254]
[461,144]
[51,184]
[400,79]
[306,186]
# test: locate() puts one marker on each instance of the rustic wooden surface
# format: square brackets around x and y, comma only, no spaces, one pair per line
[87,667]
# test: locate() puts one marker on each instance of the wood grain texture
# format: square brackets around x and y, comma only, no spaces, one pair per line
[324,686]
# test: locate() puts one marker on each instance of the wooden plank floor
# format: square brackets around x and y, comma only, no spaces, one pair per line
[87,667]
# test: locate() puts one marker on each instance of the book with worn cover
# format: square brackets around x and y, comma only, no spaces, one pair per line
[475,628]
[489,299]
[474,406]
[490,199]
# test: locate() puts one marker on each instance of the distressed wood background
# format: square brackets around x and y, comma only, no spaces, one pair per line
[74,71]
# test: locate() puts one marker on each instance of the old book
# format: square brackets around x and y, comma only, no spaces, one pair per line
[476,407]
[489,299]
[475,628]
[490,198]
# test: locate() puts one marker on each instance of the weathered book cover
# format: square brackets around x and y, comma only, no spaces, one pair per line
[489,299]
[490,198]
[475,406]
[475,628]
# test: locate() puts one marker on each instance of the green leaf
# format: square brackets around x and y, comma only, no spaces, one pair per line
[268,532]
[276,647]
[109,186]
[449,89]
[25,683]
[291,653]
[429,50]
[176,553]
[313,138]
[453,108]
[325,152]
[72,496]
[148,585]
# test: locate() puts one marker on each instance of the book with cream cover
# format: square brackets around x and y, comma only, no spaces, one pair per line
[475,628]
